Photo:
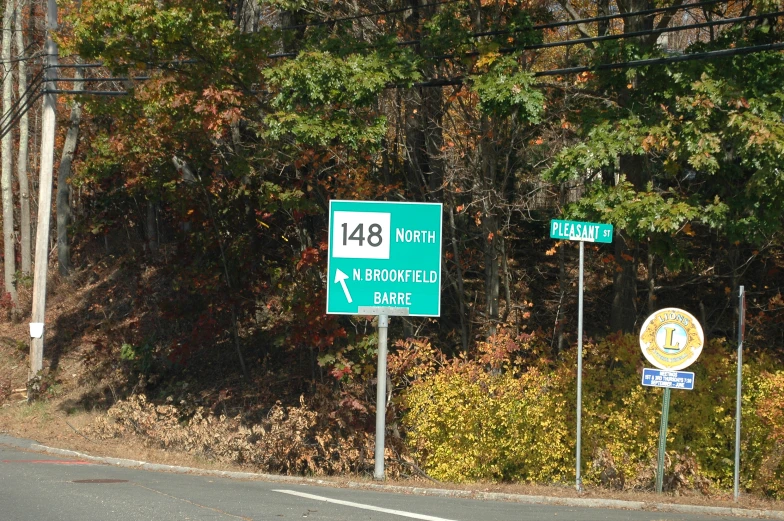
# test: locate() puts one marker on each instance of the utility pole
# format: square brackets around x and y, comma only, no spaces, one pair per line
[48,124]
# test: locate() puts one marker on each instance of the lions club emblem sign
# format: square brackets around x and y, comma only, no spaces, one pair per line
[671,339]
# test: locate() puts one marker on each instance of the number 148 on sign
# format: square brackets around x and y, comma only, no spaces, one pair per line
[362,235]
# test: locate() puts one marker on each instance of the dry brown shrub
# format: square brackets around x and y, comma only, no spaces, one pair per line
[289,440]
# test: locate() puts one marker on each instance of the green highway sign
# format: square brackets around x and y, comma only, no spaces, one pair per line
[581,231]
[384,258]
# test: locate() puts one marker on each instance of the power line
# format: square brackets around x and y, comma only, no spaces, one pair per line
[366,15]
[551,25]
[643,12]
[112,78]
[603,18]
[631,64]
[168,65]
[635,34]
[460,80]
[87,92]
[21,105]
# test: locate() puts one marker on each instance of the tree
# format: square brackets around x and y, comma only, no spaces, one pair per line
[25,227]
[9,239]
[64,179]
[693,144]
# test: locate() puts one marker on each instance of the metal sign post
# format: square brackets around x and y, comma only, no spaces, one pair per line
[381,397]
[662,440]
[668,380]
[384,260]
[741,338]
[578,482]
[671,339]
[582,232]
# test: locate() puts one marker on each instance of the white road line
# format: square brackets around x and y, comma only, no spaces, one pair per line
[364,507]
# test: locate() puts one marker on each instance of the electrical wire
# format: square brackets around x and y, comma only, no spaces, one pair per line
[22,105]
[87,92]
[34,84]
[603,18]
[459,80]
[631,64]
[551,25]
[634,34]
[369,15]
[117,78]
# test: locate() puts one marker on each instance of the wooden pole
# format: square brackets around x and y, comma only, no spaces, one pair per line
[48,125]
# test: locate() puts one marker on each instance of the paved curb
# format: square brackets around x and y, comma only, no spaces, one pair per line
[422,491]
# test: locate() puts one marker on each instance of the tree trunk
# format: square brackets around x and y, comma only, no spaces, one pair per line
[459,280]
[507,278]
[9,241]
[603,9]
[634,167]
[152,227]
[24,141]
[563,287]
[624,304]
[651,282]
[488,174]
[63,185]
[640,22]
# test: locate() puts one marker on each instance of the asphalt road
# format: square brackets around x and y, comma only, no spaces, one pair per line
[41,487]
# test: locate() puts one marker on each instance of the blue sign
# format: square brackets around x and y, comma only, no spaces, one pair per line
[670,379]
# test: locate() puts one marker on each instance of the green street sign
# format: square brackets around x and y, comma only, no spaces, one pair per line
[580,231]
[384,258]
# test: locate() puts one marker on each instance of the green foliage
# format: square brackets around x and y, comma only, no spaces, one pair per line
[140,357]
[323,98]
[355,361]
[506,90]
[601,147]
[711,137]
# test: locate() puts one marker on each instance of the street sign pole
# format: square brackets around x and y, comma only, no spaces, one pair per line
[662,440]
[578,478]
[741,335]
[381,396]
[582,232]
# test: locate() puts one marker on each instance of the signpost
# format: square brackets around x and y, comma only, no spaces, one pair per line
[582,232]
[741,338]
[384,260]
[671,339]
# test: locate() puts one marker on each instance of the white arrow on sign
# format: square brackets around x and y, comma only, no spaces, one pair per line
[341,278]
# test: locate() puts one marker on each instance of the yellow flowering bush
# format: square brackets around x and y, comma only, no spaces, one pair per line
[504,415]
[471,424]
